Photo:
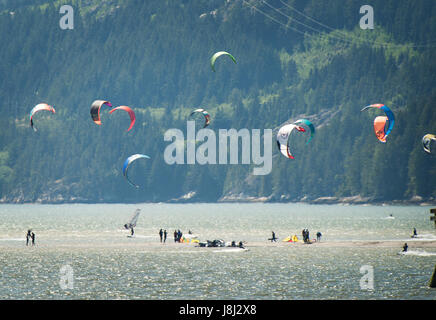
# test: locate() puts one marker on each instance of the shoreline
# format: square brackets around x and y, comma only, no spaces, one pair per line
[318,201]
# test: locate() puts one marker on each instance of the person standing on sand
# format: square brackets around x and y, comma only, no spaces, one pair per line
[405,247]
[318,236]
[28,236]
[175,235]
[160,234]
[33,238]
[165,235]
[273,236]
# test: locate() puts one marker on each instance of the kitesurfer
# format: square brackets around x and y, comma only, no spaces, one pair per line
[405,247]
[241,245]
[415,234]
[273,237]
[132,231]
[165,235]
[160,234]
[33,238]
[318,236]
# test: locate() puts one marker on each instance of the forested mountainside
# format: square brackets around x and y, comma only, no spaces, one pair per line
[295,59]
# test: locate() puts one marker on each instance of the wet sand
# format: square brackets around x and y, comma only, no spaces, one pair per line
[180,247]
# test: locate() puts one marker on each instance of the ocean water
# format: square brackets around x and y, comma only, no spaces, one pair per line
[82,252]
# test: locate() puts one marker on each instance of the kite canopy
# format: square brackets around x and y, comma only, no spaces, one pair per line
[132,223]
[309,125]
[204,113]
[382,125]
[283,139]
[129,111]
[95,110]
[128,162]
[37,108]
[426,142]
[217,55]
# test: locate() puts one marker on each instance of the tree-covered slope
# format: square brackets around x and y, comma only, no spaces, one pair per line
[154,57]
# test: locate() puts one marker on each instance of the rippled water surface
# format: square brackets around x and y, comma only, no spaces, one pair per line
[103,263]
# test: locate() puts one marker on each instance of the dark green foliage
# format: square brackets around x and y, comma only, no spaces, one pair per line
[154,57]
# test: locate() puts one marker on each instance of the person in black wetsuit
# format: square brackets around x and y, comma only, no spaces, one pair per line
[273,237]
[405,247]
[33,238]
[165,235]
[28,236]
[160,234]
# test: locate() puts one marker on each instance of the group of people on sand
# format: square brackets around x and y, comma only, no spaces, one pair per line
[177,235]
[30,235]
[305,234]
[163,235]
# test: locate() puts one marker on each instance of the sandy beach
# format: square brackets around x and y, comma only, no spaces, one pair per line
[181,247]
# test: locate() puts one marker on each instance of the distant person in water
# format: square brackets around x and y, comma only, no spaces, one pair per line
[318,236]
[33,238]
[165,235]
[160,234]
[28,236]
[405,247]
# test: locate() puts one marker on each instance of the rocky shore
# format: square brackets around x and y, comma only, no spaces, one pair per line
[192,197]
